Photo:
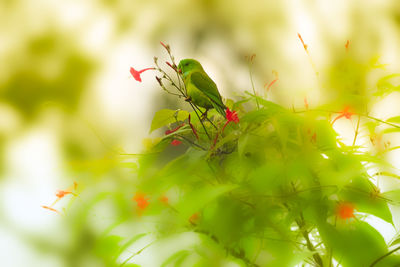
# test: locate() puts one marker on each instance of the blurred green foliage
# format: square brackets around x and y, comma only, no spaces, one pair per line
[252,187]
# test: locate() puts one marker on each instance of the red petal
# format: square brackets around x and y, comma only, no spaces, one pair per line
[136,74]
[176,142]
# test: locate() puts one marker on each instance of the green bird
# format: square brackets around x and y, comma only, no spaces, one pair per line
[201,90]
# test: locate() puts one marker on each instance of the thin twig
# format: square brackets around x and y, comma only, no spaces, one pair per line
[384,256]
[239,255]
[191,142]
[359,114]
[206,117]
[202,124]
[252,84]
[356,133]
[136,253]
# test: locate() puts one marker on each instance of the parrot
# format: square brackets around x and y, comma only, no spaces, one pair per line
[201,90]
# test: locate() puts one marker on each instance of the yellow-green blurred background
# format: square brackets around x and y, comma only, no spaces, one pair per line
[68,104]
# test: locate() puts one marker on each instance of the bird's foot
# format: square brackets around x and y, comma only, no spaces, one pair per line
[204,115]
[188,99]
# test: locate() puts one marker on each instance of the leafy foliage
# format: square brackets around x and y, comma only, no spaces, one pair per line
[273,187]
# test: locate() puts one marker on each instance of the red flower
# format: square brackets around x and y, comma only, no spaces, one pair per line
[231,115]
[345,210]
[173,130]
[136,73]
[344,113]
[141,201]
[176,142]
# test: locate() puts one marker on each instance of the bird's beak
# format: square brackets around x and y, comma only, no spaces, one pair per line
[179,70]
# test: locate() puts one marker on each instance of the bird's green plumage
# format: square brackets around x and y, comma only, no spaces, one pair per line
[200,88]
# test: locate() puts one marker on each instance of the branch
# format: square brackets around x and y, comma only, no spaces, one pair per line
[310,246]
[239,255]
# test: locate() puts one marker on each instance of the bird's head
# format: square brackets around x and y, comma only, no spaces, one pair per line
[188,65]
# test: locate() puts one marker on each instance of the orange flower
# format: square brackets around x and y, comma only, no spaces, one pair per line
[62,193]
[301,39]
[274,81]
[141,201]
[344,113]
[50,208]
[345,210]
[136,73]
[347,45]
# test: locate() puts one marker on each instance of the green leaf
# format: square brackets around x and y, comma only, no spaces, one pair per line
[164,117]
[257,116]
[195,200]
[356,244]
[385,86]
[393,195]
[176,258]
[391,130]
[107,246]
[394,119]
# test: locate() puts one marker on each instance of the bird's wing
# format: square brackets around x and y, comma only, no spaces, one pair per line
[208,87]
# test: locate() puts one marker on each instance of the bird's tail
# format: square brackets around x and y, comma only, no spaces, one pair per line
[220,109]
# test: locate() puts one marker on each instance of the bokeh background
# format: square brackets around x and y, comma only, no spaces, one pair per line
[69,107]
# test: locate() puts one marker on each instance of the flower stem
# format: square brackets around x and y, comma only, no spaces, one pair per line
[252,85]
